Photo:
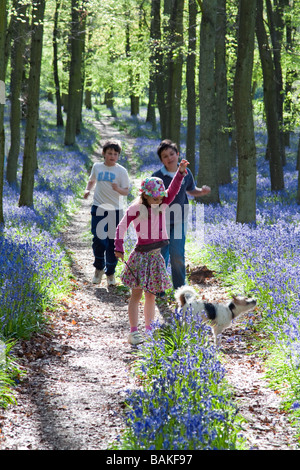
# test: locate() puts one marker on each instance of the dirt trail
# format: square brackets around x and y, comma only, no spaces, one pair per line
[78,374]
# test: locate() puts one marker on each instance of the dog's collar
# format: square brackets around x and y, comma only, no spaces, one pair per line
[231,306]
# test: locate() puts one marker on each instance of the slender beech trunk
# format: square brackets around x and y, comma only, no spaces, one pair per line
[59,117]
[175,72]
[30,155]
[151,118]
[17,69]
[246,204]
[276,26]
[75,78]
[270,102]
[159,59]
[133,74]
[2,100]
[207,167]
[190,88]
[223,153]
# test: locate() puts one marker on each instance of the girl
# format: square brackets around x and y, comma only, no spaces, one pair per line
[145,270]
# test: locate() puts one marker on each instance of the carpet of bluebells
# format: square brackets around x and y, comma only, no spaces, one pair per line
[262,261]
[33,264]
[182,402]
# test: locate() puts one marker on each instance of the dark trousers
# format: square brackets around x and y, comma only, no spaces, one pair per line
[175,252]
[104,224]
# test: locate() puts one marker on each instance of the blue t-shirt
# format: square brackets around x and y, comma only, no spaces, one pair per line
[181,199]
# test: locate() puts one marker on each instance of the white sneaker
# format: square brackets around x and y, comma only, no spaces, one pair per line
[135,338]
[111,280]
[98,276]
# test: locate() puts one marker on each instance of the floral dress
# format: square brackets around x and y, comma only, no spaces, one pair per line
[147,271]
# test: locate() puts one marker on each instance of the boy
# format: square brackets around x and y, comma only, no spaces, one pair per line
[112,183]
[169,155]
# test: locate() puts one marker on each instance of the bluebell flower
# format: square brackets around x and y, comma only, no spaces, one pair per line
[33,264]
[295,405]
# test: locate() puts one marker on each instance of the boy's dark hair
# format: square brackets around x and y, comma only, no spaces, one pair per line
[165,144]
[112,144]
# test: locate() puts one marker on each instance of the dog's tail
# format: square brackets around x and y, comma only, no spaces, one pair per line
[185,294]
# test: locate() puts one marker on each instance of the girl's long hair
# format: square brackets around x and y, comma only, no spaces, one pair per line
[140,199]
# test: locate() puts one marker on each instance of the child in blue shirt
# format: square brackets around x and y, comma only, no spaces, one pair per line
[178,210]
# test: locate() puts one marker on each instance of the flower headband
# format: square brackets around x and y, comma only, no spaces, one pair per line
[153,187]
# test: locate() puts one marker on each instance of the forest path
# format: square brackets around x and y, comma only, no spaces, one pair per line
[78,373]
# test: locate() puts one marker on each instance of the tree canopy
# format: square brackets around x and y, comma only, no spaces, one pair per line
[191,63]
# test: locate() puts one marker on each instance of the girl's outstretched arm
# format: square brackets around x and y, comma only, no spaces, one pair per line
[183,165]
[174,187]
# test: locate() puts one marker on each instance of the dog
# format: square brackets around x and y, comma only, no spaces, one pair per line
[218,316]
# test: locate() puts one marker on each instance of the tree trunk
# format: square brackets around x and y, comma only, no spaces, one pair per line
[29,158]
[246,204]
[151,118]
[2,100]
[160,72]
[88,96]
[134,105]
[276,26]
[8,34]
[223,153]
[17,68]
[75,78]
[59,117]
[291,73]
[230,76]
[270,101]
[190,88]
[88,63]
[175,72]
[207,168]
[133,75]
[109,99]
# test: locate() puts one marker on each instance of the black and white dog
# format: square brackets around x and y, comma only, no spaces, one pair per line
[218,316]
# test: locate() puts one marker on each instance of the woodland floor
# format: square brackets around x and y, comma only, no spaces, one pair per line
[78,372]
